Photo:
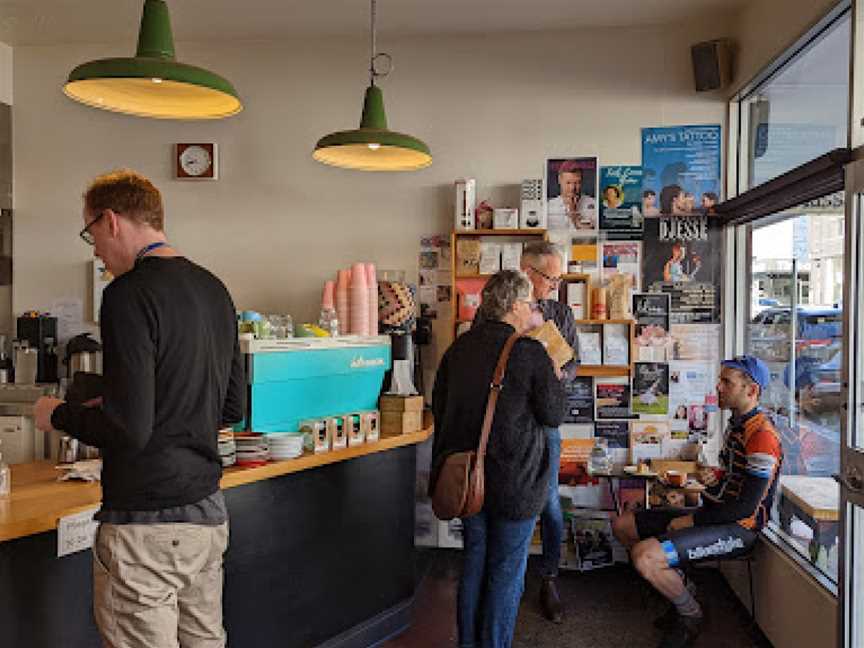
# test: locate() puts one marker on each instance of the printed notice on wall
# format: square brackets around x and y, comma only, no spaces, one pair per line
[76,532]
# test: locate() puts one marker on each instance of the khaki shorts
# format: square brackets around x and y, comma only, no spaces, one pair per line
[159,585]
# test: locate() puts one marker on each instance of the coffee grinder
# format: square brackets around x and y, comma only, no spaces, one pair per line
[40,332]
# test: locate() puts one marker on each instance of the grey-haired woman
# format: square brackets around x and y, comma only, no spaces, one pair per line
[517,459]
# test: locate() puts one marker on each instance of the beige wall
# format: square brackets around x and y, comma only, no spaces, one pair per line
[764,29]
[792,609]
[277,224]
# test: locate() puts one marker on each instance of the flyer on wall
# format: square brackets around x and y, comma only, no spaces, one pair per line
[696,342]
[617,435]
[434,292]
[621,257]
[650,388]
[571,195]
[646,440]
[653,337]
[621,202]
[691,385]
[579,394]
[612,400]
[682,258]
[681,169]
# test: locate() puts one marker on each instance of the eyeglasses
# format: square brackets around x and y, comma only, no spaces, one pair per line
[85,233]
[552,280]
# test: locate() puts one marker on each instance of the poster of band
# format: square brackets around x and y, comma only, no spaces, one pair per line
[571,195]
[681,170]
[621,202]
[682,257]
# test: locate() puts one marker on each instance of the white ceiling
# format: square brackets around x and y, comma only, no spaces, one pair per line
[39,22]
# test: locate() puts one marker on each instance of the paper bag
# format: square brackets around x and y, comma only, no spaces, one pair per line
[556,346]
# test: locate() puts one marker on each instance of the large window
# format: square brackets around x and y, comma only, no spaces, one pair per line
[790,277]
[794,322]
[799,110]
[794,315]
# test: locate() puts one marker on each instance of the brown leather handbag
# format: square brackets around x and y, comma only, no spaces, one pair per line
[459,490]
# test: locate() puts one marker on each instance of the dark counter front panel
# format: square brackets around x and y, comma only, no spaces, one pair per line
[323,556]
[319,552]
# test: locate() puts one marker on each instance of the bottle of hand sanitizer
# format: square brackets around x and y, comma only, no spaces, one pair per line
[5,478]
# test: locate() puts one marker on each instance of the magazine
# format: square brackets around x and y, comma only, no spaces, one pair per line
[592,542]
[650,388]
[633,495]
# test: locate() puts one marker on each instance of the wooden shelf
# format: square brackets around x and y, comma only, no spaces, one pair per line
[594,322]
[603,371]
[500,232]
[455,235]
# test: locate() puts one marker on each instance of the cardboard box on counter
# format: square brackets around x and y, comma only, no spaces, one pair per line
[396,403]
[395,423]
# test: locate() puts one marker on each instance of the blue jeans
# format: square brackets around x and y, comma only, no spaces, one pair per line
[551,518]
[493,577]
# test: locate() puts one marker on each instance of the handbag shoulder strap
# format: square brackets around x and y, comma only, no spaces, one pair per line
[494,390]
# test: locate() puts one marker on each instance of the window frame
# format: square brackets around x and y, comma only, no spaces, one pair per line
[739,242]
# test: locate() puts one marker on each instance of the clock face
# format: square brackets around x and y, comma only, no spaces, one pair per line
[196,161]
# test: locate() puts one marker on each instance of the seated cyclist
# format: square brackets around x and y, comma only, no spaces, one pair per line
[736,504]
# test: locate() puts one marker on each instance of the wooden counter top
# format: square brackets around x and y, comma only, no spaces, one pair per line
[38,500]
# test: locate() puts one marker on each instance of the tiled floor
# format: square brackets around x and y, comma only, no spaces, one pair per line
[605,608]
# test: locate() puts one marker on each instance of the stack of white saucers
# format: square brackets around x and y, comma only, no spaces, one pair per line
[227,448]
[285,445]
[251,449]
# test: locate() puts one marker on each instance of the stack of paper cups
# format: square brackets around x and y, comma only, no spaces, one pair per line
[327,297]
[372,290]
[342,301]
[359,300]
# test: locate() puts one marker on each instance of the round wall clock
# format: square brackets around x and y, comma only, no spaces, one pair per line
[195,161]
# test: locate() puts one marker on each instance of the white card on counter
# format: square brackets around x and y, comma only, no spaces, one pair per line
[76,532]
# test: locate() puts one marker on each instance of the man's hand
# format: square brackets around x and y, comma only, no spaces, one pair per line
[683,522]
[42,411]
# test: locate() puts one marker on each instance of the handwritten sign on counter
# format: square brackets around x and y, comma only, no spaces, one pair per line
[76,532]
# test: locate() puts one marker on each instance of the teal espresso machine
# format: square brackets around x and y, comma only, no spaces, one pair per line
[291,380]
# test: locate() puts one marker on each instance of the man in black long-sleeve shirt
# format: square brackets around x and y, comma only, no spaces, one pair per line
[173,376]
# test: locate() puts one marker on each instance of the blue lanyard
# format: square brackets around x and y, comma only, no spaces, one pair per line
[149,248]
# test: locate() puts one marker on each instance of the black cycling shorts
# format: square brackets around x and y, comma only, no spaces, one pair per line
[684,546]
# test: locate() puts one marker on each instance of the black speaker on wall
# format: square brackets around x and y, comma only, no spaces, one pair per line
[712,64]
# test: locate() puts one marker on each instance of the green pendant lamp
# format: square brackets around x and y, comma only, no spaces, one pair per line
[373,147]
[153,83]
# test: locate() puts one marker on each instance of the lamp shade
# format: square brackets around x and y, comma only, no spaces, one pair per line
[373,147]
[153,83]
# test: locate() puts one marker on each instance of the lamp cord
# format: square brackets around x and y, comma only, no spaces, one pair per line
[374,55]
